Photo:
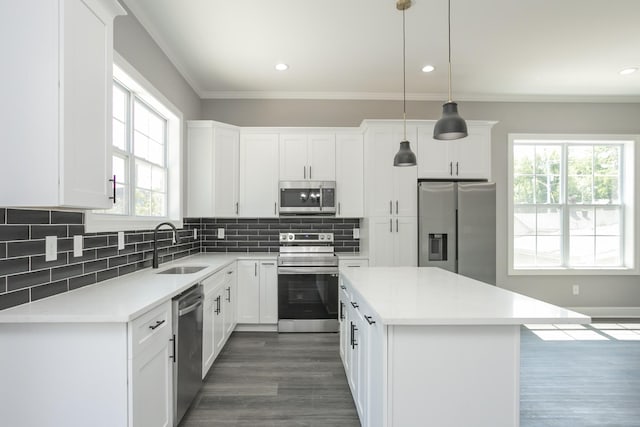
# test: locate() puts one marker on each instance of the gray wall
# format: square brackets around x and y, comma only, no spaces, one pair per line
[595,291]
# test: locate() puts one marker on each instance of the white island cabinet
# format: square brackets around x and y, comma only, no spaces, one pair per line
[424,346]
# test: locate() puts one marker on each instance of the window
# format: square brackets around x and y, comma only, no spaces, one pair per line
[146,157]
[571,204]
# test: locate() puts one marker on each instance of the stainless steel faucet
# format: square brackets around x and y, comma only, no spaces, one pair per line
[154,262]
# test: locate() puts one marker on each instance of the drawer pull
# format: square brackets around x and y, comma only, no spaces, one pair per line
[368,319]
[158,323]
[343,287]
[354,304]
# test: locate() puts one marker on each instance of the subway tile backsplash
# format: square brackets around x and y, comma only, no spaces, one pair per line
[26,276]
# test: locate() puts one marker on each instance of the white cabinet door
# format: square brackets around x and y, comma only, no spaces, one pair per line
[433,155]
[378,173]
[406,191]
[321,157]
[376,363]
[293,157]
[152,382]
[248,292]
[406,241]
[226,170]
[258,175]
[268,292]
[473,154]
[200,170]
[381,241]
[229,306]
[350,175]
[219,336]
[208,350]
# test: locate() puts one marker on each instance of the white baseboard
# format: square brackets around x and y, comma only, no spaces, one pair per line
[254,327]
[608,312]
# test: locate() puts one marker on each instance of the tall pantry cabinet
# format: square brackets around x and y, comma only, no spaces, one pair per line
[56,102]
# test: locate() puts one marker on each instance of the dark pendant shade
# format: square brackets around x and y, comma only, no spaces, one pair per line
[451,125]
[404,156]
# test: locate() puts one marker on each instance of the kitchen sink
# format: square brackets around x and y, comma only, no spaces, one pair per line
[182,269]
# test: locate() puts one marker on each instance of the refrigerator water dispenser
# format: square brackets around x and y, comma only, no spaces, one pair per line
[437,247]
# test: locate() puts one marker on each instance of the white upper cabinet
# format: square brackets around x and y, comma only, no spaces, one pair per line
[57,71]
[350,175]
[213,176]
[307,157]
[466,158]
[389,190]
[258,175]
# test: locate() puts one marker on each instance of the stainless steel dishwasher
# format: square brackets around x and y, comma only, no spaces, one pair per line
[187,367]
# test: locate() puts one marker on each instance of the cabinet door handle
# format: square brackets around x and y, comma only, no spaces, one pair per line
[229,293]
[450,168]
[390,207]
[353,336]
[255,269]
[368,319]
[338,208]
[456,168]
[396,207]
[218,304]
[275,208]
[268,263]
[236,208]
[230,272]
[397,225]
[390,225]
[341,310]
[114,189]
[354,304]
[304,172]
[158,323]
[343,287]
[173,345]
[310,172]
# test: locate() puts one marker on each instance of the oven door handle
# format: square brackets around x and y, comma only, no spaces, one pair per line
[307,270]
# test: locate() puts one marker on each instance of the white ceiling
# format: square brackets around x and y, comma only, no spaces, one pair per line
[521,50]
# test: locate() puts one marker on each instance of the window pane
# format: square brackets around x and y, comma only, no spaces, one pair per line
[549,251]
[579,189]
[524,252]
[548,159]
[156,153]
[607,160]
[608,221]
[140,145]
[581,251]
[143,175]
[119,169]
[141,118]
[549,221]
[606,190]
[581,221]
[156,128]
[143,202]
[523,159]
[158,204]
[547,189]
[523,189]
[120,103]
[119,135]
[158,177]
[608,251]
[580,160]
[524,223]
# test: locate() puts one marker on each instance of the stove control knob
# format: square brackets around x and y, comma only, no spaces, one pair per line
[291,237]
[321,236]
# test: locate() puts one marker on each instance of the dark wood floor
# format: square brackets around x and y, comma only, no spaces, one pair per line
[269,379]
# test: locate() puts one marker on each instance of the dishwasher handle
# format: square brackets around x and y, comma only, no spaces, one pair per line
[190,308]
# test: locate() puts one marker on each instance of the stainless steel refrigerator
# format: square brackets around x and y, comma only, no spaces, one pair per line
[457,228]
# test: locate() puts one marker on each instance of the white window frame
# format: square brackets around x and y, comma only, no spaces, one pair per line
[629,195]
[134,81]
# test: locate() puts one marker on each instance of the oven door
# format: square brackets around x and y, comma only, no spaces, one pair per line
[308,299]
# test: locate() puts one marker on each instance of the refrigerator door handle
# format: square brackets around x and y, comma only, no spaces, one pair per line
[451,168]
[390,225]
[396,207]
[457,169]
[397,230]
[390,207]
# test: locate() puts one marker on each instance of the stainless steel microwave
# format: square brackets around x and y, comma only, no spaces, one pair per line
[307,197]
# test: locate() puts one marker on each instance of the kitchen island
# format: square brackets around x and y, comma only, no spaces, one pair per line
[427,347]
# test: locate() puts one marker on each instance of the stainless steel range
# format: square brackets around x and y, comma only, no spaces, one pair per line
[307,283]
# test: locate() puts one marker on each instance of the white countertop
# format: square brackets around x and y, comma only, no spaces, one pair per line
[123,298]
[432,296]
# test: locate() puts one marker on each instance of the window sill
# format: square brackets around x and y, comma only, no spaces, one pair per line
[604,271]
[96,223]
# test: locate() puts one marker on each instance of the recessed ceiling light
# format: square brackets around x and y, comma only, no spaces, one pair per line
[629,70]
[281,67]
[428,68]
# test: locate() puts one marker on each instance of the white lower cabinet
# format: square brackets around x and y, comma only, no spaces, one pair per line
[257,292]
[392,241]
[218,314]
[363,352]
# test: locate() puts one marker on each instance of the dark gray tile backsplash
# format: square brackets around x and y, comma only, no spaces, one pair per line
[26,276]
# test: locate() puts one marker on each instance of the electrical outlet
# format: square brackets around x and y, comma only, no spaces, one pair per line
[195,234]
[77,245]
[51,248]
[120,240]
[220,233]
[576,289]
[356,233]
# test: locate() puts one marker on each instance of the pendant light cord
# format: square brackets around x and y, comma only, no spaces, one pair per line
[449,23]
[404,78]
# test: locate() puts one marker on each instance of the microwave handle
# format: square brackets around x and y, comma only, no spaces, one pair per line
[320,191]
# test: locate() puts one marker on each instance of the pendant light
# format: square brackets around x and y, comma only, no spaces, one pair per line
[404,156]
[451,125]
